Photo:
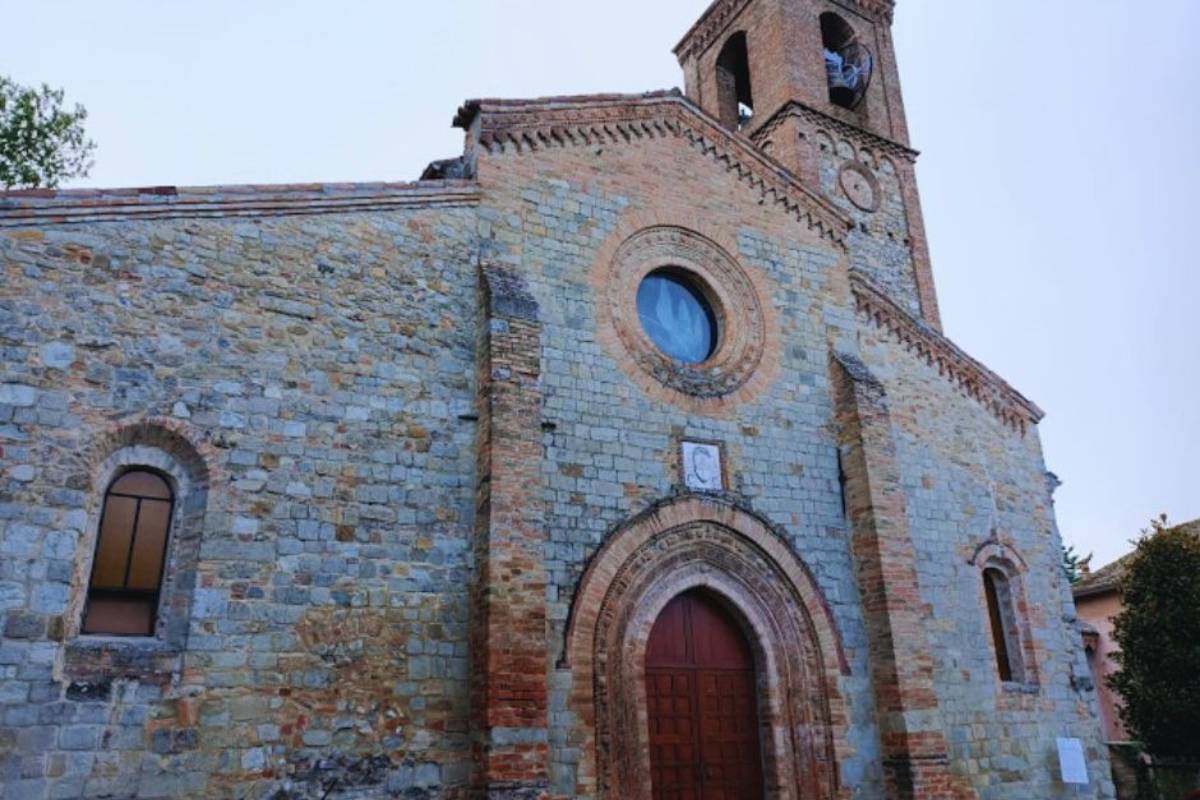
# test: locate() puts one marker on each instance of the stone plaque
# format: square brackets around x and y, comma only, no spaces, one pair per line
[1071,760]
[702,466]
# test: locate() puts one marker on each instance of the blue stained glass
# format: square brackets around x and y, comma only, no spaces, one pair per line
[677,317]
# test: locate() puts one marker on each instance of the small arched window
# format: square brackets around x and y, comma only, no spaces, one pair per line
[1006,638]
[735,100]
[131,549]
[848,62]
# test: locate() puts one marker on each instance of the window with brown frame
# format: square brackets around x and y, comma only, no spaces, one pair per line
[1005,639]
[131,549]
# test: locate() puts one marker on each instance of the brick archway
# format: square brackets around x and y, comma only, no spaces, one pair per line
[700,542]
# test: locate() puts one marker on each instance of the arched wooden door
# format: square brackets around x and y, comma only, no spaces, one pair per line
[702,704]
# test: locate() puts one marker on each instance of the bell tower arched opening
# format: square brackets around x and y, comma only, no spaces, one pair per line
[848,62]
[735,98]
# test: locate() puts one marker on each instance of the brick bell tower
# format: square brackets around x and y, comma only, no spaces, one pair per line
[814,84]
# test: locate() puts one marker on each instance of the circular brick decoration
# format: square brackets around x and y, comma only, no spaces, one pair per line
[860,186]
[729,290]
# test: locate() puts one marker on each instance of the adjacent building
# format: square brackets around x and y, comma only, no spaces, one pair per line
[1097,601]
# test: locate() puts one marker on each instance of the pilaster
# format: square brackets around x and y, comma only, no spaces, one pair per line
[508,636]
[915,757]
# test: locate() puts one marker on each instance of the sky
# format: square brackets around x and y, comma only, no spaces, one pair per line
[1058,174]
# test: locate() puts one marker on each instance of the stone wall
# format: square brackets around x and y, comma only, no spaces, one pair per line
[403,421]
[879,244]
[314,368]
[611,441]
[977,484]
[611,448]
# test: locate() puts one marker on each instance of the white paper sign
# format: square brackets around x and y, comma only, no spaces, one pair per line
[702,466]
[1071,761]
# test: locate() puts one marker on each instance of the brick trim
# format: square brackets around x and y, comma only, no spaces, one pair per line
[915,753]
[813,121]
[44,207]
[718,16]
[819,118]
[757,336]
[508,594]
[701,541]
[529,125]
[972,378]
[734,299]
[1003,556]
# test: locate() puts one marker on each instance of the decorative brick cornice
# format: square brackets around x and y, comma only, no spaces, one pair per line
[821,119]
[720,13]
[712,24]
[42,207]
[544,123]
[971,377]
[878,9]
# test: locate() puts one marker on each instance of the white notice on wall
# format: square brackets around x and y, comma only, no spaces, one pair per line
[1071,761]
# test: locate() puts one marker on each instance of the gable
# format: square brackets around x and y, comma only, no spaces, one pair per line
[526,126]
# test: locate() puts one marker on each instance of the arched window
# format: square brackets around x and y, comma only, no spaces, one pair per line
[734,97]
[848,62]
[1006,638]
[131,549]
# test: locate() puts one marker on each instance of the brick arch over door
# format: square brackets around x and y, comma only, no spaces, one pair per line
[691,543]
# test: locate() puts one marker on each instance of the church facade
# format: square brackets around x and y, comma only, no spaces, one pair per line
[623,456]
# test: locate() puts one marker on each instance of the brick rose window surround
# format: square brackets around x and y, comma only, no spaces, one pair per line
[744,355]
[703,543]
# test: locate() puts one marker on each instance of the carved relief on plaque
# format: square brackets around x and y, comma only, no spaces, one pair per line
[701,465]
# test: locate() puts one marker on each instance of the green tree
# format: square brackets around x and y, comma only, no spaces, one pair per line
[41,143]
[1158,632]
[1071,563]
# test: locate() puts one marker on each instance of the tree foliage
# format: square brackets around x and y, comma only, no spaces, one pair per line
[1071,562]
[41,143]
[1158,632]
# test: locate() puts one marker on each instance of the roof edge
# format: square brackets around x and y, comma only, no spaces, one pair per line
[720,13]
[470,108]
[548,122]
[50,206]
[794,108]
[951,361]
[1095,590]
[706,18]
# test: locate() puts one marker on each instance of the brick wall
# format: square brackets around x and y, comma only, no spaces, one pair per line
[786,60]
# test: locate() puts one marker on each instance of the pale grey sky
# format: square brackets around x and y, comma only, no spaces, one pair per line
[1059,168]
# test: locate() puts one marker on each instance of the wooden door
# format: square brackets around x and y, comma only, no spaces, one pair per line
[702,705]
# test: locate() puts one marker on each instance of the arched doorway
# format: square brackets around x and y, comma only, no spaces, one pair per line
[702,704]
[702,544]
